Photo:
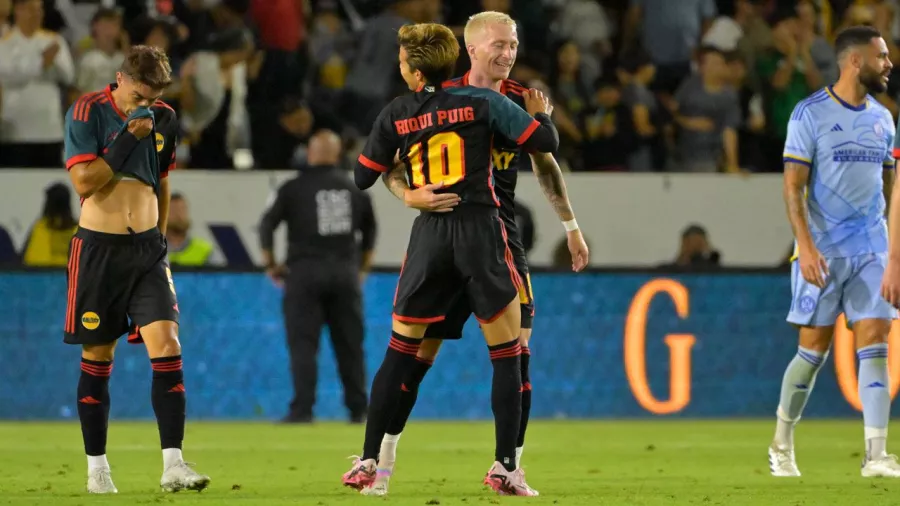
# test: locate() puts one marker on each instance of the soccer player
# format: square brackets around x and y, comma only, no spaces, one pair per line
[120,145]
[444,136]
[492,43]
[837,155]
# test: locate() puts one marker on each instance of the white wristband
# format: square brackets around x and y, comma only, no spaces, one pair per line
[570,225]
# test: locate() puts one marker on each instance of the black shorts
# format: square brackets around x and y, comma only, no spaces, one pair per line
[117,283]
[451,327]
[461,254]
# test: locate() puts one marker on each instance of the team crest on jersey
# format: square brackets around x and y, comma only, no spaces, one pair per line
[807,304]
[90,320]
[160,142]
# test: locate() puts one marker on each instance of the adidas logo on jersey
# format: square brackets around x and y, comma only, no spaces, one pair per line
[837,128]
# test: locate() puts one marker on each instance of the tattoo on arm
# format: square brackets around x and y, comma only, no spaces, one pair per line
[550,178]
[395,180]
[796,177]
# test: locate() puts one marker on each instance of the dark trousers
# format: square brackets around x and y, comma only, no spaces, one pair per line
[35,155]
[317,293]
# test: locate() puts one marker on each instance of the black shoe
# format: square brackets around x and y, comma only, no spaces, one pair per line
[296,419]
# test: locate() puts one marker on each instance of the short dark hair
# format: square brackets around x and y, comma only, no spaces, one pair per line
[104,14]
[854,36]
[148,65]
[176,196]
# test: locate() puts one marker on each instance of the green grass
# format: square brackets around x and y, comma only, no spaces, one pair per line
[572,463]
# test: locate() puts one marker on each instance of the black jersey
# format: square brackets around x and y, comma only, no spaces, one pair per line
[447,135]
[507,158]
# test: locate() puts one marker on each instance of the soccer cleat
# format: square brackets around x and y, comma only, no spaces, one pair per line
[508,482]
[361,475]
[782,462]
[885,466]
[100,482]
[181,476]
[380,486]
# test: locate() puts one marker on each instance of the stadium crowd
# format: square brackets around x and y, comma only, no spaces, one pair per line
[638,85]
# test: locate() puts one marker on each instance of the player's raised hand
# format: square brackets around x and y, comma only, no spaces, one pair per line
[890,284]
[578,249]
[536,102]
[140,128]
[813,267]
[424,199]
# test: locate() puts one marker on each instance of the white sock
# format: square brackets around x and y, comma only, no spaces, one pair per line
[876,442]
[388,453]
[98,462]
[519,451]
[784,430]
[171,456]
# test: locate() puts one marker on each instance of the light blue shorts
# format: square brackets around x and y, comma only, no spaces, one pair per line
[852,287]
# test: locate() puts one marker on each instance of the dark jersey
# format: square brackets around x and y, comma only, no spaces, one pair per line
[507,159]
[447,135]
[93,123]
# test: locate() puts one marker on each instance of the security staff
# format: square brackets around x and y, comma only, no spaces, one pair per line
[331,233]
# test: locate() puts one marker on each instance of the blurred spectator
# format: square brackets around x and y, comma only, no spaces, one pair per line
[788,74]
[571,95]
[373,79]
[282,30]
[586,24]
[331,48]
[708,114]
[294,122]
[98,66]
[695,251]
[820,51]
[5,12]
[670,30]
[636,72]
[609,135]
[741,28]
[184,249]
[33,65]
[213,93]
[751,133]
[48,241]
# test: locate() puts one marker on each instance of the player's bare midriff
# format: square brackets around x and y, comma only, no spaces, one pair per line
[119,206]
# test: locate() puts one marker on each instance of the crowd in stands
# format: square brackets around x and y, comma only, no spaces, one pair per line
[638,85]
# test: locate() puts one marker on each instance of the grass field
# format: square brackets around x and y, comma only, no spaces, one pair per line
[572,463]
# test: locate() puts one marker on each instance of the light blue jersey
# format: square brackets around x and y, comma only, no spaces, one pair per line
[847,149]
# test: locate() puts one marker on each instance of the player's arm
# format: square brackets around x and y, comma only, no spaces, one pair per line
[378,155]
[87,170]
[799,152]
[163,200]
[272,217]
[423,198]
[368,228]
[537,133]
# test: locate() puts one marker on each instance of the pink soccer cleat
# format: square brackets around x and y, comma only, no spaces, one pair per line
[508,482]
[361,475]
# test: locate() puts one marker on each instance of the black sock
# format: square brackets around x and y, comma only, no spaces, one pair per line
[93,405]
[506,400]
[386,390]
[410,391]
[167,396]
[526,396]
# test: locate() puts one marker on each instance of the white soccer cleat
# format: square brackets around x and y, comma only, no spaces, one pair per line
[180,476]
[380,486]
[100,482]
[885,466]
[782,462]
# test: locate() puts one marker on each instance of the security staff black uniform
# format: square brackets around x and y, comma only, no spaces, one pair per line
[331,233]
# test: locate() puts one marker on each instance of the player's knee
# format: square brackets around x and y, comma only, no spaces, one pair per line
[817,339]
[161,339]
[99,353]
[869,335]
[429,349]
[524,337]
